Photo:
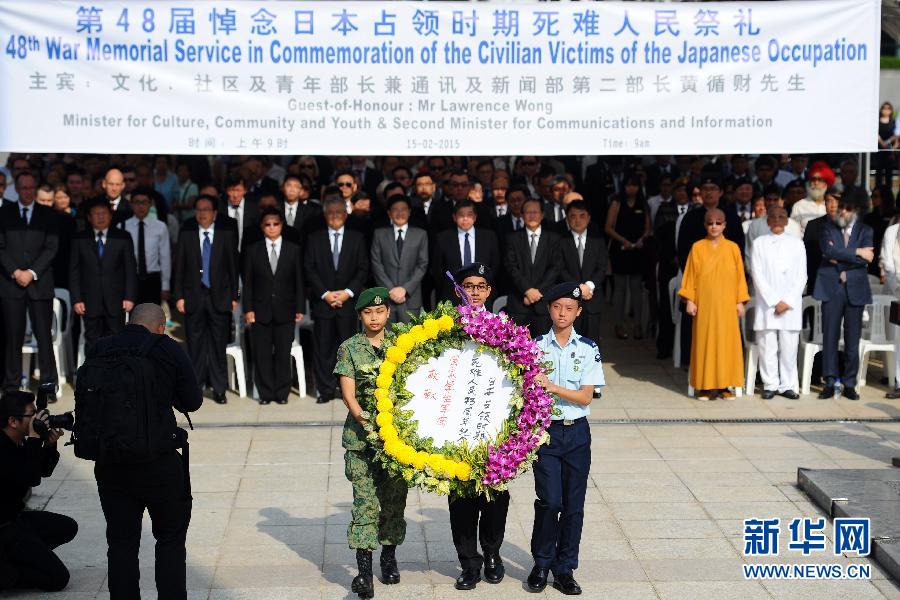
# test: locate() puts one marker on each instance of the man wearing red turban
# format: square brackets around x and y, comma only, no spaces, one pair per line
[819,179]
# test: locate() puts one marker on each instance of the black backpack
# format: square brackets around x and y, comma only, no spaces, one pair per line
[118,416]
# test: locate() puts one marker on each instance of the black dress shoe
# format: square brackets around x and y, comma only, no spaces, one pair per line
[789,394]
[220,398]
[893,394]
[768,394]
[537,580]
[264,400]
[567,584]
[323,399]
[850,393]
[468,579]
[281,401]
[493,568]
[827,393]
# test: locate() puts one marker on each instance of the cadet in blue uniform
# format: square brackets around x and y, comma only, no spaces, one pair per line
[561,471]
[478,519]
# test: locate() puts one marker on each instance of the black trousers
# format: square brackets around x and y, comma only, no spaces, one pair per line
[465,525]
[162,487]
[101,326]
[26,551]
[207,332]
[588,325]
[327,336]
[272,359]
[41,322]
[560,481]
[149,289]
[833,312]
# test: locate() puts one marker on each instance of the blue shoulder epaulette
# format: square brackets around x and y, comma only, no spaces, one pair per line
[587,340]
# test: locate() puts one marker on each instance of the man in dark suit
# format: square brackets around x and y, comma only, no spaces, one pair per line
[104,275]
[584,260]
[239,207]
[429,206]
[28,246]
[261,184]
[811,237]
[462,246]
[512,220]
[273,302]
[206,290]
[842,285]
[336,267]
[113,185]
[400,260]
[532,260]
[300,212]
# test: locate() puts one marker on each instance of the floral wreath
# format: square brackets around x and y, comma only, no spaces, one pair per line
[458,468]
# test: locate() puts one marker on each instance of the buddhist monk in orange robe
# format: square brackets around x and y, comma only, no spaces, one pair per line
[715,289]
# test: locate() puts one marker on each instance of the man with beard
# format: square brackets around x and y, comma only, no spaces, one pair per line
[821,177]
[842,285]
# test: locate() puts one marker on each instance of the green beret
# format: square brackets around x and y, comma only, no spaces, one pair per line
[372,297]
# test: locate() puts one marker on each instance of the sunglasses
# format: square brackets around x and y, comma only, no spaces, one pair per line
[719,223]
[345,184]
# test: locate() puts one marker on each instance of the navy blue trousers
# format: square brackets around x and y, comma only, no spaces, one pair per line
[560,481]
[833,312]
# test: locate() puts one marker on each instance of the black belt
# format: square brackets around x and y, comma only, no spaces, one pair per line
[567,422]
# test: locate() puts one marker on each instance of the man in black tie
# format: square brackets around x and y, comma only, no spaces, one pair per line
[336,267]
[584,260]
[461,246]
[299,211]
[28,245]
[206,291]
[113,185]
[152,249]
[243,210]
[104,276]
[512,220]
[532,260]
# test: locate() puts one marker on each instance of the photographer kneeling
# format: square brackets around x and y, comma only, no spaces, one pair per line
[27,538]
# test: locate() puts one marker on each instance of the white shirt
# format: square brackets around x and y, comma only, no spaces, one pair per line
[778,267]
[404,229]
[29,208]
[340,245]
[536,232]
[290,212]
[891,280]
[277,243]
[102,233]
[501,210]
[579,237]
[426,206]
[759,227]
[237,213]
[517,222]
[114,203]
[806,210]
[157,249]
[461,235]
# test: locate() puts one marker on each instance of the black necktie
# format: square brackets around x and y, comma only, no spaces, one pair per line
[399,243]
[142,252]
[25,215]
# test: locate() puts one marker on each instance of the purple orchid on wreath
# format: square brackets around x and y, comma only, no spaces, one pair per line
[499,331]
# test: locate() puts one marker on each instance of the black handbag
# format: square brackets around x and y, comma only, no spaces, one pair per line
[895,313]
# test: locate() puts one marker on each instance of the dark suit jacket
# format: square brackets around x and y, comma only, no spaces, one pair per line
[27,247]
[223,263]
[321,276]
[103,283]
[122,213]
[263,187]
[251,214]
[828,284]
[445,256]
[593,266]
[811,236]
[66,226]
[275,298]
[523,275]
[252,236]
[693,230]
[308,218]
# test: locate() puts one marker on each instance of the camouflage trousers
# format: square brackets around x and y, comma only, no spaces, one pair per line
[379,500]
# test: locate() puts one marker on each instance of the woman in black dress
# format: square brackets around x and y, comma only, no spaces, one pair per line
[883,160]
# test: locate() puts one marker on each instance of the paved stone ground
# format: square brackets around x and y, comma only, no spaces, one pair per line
[663,517]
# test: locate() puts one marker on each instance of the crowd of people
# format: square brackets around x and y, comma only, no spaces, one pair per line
[282,240]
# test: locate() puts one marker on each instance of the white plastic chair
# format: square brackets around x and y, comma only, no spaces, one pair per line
[30,348]
[297,351]
[750,347]
[675,305]
[877,340]
[810,347]
[235,352]
[500,303]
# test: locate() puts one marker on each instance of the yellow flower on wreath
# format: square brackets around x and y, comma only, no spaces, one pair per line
[405,342]
[445,322]
[381,394]
[384,406]
[431,327]
[418,334]
[463,471]
[388,432]
[383,382]
[384,418]
[396,355]
[387,368]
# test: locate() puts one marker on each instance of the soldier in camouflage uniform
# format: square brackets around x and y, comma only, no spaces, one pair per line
[379,499]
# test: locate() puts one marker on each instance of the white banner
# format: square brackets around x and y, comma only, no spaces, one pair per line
[460,395]
[419,78]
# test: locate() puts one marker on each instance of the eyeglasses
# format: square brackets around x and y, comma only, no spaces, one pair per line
[344,184]
[719,223]
[272,224]
[481,287]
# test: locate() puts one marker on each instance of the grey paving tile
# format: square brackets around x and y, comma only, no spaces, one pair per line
[720,590]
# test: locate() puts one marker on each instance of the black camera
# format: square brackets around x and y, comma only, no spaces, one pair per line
[65,420]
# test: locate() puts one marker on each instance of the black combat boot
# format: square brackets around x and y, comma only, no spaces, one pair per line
[362,583]
[390,574]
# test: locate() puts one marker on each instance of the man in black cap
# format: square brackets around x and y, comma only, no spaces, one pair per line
[466,527]
[561,471]
[842,285]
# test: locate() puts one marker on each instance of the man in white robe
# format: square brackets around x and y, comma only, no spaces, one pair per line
[778,267]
